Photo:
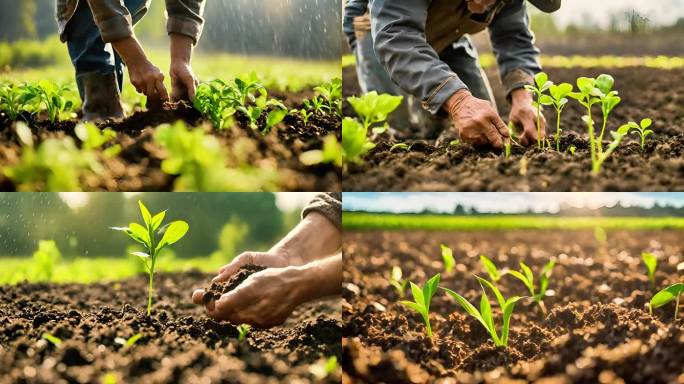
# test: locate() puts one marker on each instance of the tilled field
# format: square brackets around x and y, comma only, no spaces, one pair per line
[645,92]
[598,328]
[179,342]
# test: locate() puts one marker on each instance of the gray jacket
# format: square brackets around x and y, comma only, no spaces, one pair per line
[409,35]
[114,20]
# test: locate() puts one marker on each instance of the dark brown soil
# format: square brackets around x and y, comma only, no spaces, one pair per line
[658,94]
[138,167]
[216,290]
[179,343]
[598,328]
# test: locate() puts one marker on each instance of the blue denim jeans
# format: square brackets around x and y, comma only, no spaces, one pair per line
[87,50]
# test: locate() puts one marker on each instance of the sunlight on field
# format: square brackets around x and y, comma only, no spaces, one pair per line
[360,221]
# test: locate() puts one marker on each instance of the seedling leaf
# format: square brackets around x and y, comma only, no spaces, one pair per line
[490,268]
[448,258]
[650,261]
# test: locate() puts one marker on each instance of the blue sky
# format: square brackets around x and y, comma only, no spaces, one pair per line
[510,202]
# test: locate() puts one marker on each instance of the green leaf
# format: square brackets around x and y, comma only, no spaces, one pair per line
[540,79]
[396,274]
[490,267]
[605,83]
[417,294]
[158,219]
[448,258]
[133,339]
[140,232]
[499,297]
[486,313]
[507,312]
[51,338]
[645,123]
[373,107]
[527,271]
[465,304]
[651,262]
[416,307]
[175,231]
[585,85]
[559,91]
[546,100]
[520,277]
[429,290]
[145,214]
[667,295]
[142,255]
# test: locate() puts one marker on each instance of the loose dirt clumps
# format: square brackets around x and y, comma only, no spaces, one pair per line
[179,342]
[598,328]
[217,289]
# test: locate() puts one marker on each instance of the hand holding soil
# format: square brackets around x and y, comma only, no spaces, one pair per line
[477,122]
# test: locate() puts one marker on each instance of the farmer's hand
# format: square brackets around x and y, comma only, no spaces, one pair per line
[183,80]
[476,120]
[524,115]
[145,77]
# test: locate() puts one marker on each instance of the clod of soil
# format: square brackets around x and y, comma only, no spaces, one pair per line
[217,289]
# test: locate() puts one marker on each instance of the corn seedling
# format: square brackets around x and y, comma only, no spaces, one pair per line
[527,277]
[651,262]
[46,258]
[542,84]
[490,268]
[147,235]
[243,330]
[127,343]
[484,315]
[673,292]
[421,300]
[558,99]
[397,282]
[56,341]
[642,130]
[447,258]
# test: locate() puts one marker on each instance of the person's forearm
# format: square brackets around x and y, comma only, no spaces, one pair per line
[181,48]
[322,278]
[313,238]
[130,50]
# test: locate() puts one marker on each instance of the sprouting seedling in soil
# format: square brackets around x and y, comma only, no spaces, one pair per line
[673,292]
[330,153]
[14,99]
[642,130]
[558,99]
[46,258]
[56,341]
[147,236]
[355,142]
[484,315]
[397,282]
[127,343]
[542,84]
[51,96]
[454,143]
[447,258]
[572,150]
[608,99]
[421,300]
[490,268]
[374,108]
[401,147]
[587,97]
[617,139]
[507,144]
[243,330]
[325,368]
[527,277]
[651,262]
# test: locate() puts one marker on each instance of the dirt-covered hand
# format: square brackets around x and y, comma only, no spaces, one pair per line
[524,115]
[476,120]
[271,259]
[183,81]
[149,80]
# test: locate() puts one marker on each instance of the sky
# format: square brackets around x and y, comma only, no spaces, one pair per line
[508,202]
[657,11]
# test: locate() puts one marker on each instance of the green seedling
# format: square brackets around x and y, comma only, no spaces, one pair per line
[421,300]
[485,316]
[331,93]
[275,113]
[14,100]
[217,101]
[454,143]
[572,150]
[148,235]
[397,282]
[56,341]
[507,143]
[558,99]
[527,277]
[127,343]
[355,142]
[587,97]
[305,115]
[542,84]
[608,99]
[374,108]
[651,262]
[50,95]
[673,292]
[490,268]
[324,368]
[94,138]
[642,130]
[46,258]
[401,147]
[330,154]
[447,258]
[243,330]
[603,156]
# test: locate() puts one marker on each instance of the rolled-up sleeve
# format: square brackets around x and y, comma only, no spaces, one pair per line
[185,18]
[328,204]
[354,8]
[400,44]
[513,45]
[112,19]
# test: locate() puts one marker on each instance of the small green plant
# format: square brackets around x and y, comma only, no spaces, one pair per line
[304,114]
[572,150]
[490,268]
[642,130]
[527,277]
[331,93]
[56,341]
[275,113]
[454,143]
[148,234]
[587,98]
[507,143]
[485,316]
[374,108]
[673,292]
[331,153]
[558,99]
[50,95]
[355,142]
[216,100]
[94,138]
[397,282]
[401,147]
[447,258]
[651,262]
[608,99]
[324,368]
[127,343]
[14,100]
[542,84]
[46,258]
[603,156]
[243,330]
[421,300]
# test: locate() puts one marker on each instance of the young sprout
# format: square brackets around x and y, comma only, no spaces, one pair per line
[602,157]
[527,277]
[421,300]
[397,282]
[490,267]
[572,150]
[507,144]
[558,99]
[651,262]
[542,83]
[56,341]
[243,330]
[454,143]
[642,130]
[127,343]
[447,258]
[324,368]
[587,97]
[355,142]
[608,99]
[331,153]
[147,236]
[374,108]
[401,146]
[484,315]
[673,292]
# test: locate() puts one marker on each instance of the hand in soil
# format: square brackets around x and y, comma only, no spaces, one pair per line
[271,259]
[525,116]
[477,122]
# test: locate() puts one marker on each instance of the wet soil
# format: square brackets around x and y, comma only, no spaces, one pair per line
[217,289]
[138,166]
[598,328]
[179,342]
[645,92]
